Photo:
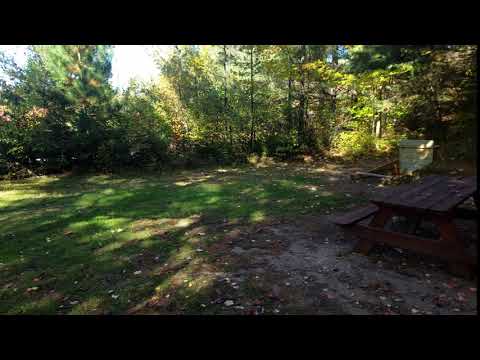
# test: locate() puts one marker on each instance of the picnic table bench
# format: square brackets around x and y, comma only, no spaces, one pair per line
[434,198]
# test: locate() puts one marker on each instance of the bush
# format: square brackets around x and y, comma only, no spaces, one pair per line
[219,153]
[353,144]
[16,171]
[281,147]
[259,161]
[387,145]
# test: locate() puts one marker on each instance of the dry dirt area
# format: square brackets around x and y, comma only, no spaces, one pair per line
[306,265]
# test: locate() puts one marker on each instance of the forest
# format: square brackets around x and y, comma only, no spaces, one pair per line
[223,103]
[239,179]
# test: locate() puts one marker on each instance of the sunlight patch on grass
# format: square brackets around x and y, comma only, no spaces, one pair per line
[193,180]
[182,223]
[210,187]
[257,215]
[90,305]
[163,225]
[40,306]
[10,197]
[213,200]
[129,223]
[108,191]
[110,247]
[187,281]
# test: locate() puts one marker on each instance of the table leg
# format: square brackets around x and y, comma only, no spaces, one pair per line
[413,223]
[449,236]
[364,245]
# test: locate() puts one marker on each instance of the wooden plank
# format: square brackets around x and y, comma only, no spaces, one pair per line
[364,245]
[393,165]
[427,246]
[434,193]
[402,194]
[422,192]
[384,166]
[460,192]
[385,193]
[443,196]
[366,174]
[354,215]
[437,193]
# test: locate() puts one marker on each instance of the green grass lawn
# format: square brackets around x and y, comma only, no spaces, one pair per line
[98,244]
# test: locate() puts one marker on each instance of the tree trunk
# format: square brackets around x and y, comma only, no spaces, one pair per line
[179,80]
[252,126]
[301,118]
[436,130]
[334,95]
[379,121]
[225,99]
[378,127]
[289,96]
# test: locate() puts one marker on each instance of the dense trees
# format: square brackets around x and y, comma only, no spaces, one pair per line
[222,102]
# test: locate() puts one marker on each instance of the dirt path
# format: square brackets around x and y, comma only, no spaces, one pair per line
[310,266]
[306,266]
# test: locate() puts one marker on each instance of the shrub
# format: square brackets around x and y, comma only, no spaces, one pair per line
[353,144]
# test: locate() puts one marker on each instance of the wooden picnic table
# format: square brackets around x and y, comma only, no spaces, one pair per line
[434,198]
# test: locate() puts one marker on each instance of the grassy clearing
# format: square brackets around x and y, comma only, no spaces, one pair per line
[109,244]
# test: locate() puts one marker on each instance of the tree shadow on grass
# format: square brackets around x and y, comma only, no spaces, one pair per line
[85,251]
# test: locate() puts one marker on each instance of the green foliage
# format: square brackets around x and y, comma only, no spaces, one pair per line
[354,144]
[218,104]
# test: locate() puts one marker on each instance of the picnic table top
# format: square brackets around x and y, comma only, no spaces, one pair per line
[435,193]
